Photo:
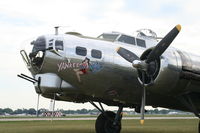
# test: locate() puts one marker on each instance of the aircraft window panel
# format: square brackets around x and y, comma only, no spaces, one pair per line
[39,44]
[96,54]
[58,45]
[109,37]
[50,44]
[127,39]
[81,51]
[141,42]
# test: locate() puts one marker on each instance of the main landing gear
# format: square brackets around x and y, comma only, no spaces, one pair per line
[108,121]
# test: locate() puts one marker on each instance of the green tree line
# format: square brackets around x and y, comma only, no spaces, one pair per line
[32,111]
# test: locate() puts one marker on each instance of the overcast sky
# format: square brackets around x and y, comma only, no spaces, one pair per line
[24,19]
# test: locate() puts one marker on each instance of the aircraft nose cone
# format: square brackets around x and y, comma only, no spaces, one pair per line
[136,63]
[139,65]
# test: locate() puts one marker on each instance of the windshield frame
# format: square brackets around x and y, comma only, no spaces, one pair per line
[109,36]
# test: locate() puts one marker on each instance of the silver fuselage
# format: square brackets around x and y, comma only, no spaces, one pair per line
[116,82]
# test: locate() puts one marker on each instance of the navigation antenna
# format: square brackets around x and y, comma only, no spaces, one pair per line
[57,27]
[56,30]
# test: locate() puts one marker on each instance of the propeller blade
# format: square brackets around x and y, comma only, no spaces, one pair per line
[163,44]
[127,55]
[143,102]
[143,106]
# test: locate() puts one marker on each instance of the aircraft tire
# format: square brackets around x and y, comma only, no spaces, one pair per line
[104,123]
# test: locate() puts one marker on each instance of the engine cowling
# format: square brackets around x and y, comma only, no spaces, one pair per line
[164,72]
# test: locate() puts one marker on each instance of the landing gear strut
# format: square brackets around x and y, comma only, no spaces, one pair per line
[108,121]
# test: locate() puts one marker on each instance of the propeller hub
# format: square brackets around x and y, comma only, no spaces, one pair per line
[138,64]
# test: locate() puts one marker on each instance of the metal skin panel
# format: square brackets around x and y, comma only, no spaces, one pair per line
[116,80]
[169,73]
[110,78]
[194,61]
[49,82]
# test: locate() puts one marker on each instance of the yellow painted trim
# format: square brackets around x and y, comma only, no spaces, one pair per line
[117,49]
[178,27]
[142,122]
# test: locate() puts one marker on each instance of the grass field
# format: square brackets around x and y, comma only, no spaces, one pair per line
[129,126]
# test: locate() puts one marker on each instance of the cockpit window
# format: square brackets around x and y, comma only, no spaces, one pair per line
[141,42]
[127,39]
[51,43]
[39,45]
[59,45]
[110,37]
[38,52]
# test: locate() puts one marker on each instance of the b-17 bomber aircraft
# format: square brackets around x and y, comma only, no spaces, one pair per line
[115,69]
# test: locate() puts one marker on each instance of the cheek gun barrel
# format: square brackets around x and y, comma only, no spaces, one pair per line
[23,76]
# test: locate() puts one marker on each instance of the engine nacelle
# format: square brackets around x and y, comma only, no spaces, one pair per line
[166,72]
